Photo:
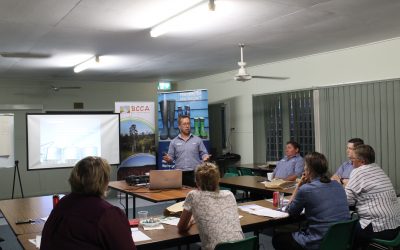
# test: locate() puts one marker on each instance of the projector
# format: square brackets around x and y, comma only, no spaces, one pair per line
[136,179]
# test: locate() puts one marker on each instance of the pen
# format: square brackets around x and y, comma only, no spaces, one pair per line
[24,221]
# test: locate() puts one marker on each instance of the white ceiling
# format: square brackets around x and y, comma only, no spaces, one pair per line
[72,30]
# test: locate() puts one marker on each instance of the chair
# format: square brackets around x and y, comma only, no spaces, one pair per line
[232,170]
[228,174]
[245,244]
[391,244]
[246,171]
[339,236]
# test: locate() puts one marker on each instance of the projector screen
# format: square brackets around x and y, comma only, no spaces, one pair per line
[61,140]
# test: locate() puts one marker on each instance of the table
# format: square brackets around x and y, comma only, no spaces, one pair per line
[147,194]
[250,183]
[170,237]
[26,208]
[261,168]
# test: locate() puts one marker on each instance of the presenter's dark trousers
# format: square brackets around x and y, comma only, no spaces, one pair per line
[188,178]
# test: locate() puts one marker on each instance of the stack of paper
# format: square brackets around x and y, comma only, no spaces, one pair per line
[170,221]
[138,235]
[176,208]
[263,211]
[279,183]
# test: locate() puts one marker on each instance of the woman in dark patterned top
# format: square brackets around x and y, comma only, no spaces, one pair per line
[83,219]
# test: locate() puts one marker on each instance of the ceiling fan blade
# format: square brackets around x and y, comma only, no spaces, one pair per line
[28,55]
[70,87]
[271,77]
[55,88]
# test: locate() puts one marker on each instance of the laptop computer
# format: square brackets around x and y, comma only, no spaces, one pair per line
[165,179]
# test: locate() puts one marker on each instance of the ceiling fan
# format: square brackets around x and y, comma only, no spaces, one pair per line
[55,88]
[243,76]
[27,55]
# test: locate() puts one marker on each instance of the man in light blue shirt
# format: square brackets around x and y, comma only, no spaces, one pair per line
[291,166]
[342,175]
[187,150]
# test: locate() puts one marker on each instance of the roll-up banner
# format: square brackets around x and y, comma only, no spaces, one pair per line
[171,105]
[137,138]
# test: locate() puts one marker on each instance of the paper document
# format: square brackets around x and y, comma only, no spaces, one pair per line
[263,211]
[153,228]
[176,208]
[279,183]
[36,241]
[170,221]
[138,235]
[285,201]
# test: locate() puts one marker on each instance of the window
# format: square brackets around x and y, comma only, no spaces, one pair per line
[286,116]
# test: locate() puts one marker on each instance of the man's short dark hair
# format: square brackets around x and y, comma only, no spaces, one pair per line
[294,144]
[356,141]
[365,153]
[182,117]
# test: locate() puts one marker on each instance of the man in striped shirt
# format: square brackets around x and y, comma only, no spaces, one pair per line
[371,192]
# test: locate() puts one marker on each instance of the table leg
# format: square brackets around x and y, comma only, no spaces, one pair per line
[126,205]
[134,206]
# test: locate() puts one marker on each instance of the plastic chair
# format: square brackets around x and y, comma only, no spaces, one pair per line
[339,236]
[245,244]
[227,175]
[232,170]
[391,244]
[246,171]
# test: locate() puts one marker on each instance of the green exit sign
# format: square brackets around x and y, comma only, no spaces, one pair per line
[164,86]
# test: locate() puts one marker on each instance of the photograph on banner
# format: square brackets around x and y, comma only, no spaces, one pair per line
[172,105]
[137,138]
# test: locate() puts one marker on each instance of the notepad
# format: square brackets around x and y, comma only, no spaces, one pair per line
[138,235]
[176,208]
[279,183]
[170,221]
[263,211]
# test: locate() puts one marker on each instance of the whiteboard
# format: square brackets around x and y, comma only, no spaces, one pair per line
[6,140]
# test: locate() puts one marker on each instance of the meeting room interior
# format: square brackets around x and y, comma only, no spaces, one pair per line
[116,80]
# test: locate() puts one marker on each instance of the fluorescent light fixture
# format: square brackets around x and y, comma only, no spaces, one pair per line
[166,25]
[87,64]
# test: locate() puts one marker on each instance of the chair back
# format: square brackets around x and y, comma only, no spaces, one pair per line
[245,244]
[232,169]
[227,175]
[246,171]
[389,243]
[339,236]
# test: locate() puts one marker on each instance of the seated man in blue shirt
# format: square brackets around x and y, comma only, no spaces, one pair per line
[291,166]
[342,175]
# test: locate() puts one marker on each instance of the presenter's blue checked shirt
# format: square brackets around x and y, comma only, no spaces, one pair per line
[187,154]
[287,167]
[345,170]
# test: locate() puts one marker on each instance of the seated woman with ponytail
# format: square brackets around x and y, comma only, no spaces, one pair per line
[324,202]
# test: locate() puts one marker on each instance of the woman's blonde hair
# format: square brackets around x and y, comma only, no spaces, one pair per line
[90,176]
[207,177]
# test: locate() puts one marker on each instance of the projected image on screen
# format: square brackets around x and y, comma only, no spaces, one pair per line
[67,141]
[61,140]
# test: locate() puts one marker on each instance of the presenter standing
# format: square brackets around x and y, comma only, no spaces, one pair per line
[187,150]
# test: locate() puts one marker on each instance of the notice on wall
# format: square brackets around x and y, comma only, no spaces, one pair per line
[6,140]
